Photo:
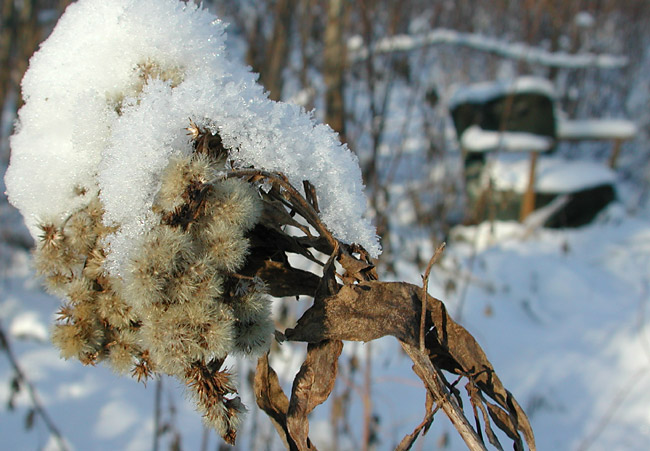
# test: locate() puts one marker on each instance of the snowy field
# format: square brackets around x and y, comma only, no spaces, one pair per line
[563,316]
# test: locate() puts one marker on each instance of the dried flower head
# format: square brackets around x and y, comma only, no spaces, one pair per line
[236,203]
[171,312]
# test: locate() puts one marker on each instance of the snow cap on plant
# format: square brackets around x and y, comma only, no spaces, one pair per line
[108,97]
[133,114]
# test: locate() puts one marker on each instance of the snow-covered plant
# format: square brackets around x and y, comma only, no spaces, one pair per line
[180,311]
[159,183]
[132,115]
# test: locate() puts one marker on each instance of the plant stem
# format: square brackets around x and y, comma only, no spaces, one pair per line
[36,403]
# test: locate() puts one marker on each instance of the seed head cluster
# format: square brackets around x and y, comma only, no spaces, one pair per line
[180,309]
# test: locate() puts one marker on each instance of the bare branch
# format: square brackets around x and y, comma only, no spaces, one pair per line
[38,407]
[431,378]
[512,50]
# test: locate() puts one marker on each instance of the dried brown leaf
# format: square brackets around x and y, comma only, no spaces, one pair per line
[477,403]
[311,387]
[370,310]
[272,400]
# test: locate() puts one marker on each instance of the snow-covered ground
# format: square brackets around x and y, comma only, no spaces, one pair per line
[562,314]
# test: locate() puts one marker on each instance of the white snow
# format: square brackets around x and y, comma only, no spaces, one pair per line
[553,175]
[486,91]
[28,325]
[584,19]
[513,50]
[86,127]
[596,129]
[475,139]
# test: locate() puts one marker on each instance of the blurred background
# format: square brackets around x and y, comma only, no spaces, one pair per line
[516,131]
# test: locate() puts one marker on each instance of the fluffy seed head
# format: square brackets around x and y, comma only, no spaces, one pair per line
[254,338]
[181,173]
[213,390]
[181,334]
[94,266]
[55,257]
[198,282]
[80,292]
[78,341]
[251,302]
[174,181]
[56,283]
[225,417]
[51,236]
[235,202]
[114,311]
[225,245]
[163,252]
[80,232]
[122,351]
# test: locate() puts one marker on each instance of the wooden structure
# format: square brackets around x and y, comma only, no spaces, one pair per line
[499,118]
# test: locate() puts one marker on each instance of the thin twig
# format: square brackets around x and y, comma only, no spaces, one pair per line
[156,414]
[303,207]
[470,267]
[425,289]
[36,403]
[367,398]
[432,380]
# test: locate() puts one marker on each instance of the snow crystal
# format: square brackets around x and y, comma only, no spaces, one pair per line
[475,139]
[107,100]
[553,175]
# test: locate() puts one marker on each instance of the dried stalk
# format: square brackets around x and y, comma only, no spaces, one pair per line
[38,407]
[425,290]
[355,306]
[424,368]
[157,412]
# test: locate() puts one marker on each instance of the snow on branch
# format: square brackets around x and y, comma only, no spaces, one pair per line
[480,42]
[596,129]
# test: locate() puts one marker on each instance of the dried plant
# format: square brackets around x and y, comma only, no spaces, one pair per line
[182,308]
[199,289]
[356,306]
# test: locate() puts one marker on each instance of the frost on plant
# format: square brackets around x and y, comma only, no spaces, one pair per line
[133,116]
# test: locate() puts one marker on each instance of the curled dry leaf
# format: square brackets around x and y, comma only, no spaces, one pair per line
[370,310]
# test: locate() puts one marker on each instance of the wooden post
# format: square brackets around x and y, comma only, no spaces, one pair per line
[528,202]
[615,151]
[277,48]
[334,57]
